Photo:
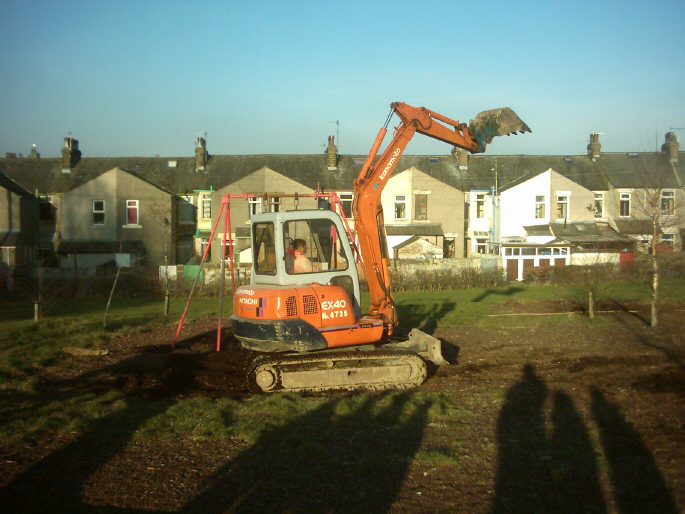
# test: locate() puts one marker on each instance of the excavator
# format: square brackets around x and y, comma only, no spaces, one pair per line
[301,312]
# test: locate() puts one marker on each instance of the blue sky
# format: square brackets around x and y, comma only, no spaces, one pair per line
[145,78]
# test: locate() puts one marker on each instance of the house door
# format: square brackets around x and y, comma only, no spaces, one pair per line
[527,264]
[512,269]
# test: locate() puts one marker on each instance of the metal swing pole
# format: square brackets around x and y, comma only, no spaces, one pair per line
[224,203]
[197,277]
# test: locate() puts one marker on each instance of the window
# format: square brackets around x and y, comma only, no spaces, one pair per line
[481,246]
[264,249]
[562,207]
[312,246]
[274,204]
[206,247]
[131,212]
[98,212]
[186,211]
[346,200]
[254,206]
[400,207]
[540,207]
[421,207]
[599,205]
[668,202]
[206,206]
[480,206]
[669,239]
[624,205]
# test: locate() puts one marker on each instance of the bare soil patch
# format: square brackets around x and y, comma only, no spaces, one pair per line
[561,417]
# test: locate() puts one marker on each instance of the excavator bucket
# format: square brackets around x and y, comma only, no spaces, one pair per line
[496,122]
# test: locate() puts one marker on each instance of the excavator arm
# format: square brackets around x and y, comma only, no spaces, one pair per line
[368,211]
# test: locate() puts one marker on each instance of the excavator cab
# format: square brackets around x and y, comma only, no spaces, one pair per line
[293,248]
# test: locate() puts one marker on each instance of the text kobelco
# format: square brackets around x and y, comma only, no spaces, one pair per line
[391,163]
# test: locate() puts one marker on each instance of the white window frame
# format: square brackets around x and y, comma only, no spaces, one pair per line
[564,204]
[135,205]
[274,204]
[99,211]
[667,194]
[480,205]
[668,237]
[346,199]
[627,197]
[254,206]
[206,205]
[401,200]
[540,207]
[599,200]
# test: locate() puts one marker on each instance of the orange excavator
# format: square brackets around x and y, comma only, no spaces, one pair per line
[301,313]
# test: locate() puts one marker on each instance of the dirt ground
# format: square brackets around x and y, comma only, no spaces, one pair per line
[563,417]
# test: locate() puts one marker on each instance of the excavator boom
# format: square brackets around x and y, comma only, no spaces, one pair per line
[373,177]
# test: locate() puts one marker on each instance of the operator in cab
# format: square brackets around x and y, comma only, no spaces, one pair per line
[296,260]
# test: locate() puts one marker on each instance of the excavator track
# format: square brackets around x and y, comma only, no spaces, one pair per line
[372,370]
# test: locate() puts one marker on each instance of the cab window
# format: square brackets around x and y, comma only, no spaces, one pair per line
[264,255]
[313,246]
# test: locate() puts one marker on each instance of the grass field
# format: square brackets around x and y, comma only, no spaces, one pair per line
[444,429]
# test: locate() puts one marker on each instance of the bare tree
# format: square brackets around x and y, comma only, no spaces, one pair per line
[595,275]
[654,208]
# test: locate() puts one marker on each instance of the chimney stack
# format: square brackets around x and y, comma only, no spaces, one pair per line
[594,147]
[671,146]
[70,154]
[462,157]
[34,152]
[332,154]
[201,155]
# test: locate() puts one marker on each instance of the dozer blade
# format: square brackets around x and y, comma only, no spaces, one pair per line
[426,346]
[495,122]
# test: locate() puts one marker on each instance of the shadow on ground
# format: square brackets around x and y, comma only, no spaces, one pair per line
[558,472]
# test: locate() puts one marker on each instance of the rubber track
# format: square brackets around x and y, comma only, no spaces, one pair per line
[384,356]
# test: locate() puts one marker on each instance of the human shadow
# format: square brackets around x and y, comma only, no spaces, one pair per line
[576,475]
[537,473]
[524,475]
[635,477]
[323,461]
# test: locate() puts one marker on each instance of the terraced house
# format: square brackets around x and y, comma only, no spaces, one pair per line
[535,210]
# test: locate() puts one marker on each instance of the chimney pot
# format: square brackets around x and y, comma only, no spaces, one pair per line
[594,147]
[671,146]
